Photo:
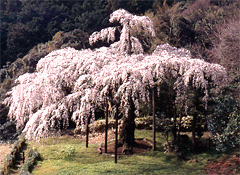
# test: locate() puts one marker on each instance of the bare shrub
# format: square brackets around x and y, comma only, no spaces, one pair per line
[197,8]
[226,50]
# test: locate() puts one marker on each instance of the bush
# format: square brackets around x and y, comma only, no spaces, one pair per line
[67,152]
[97,126]
[224,123]
[143,123]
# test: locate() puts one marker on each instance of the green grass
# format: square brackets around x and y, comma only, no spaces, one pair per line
[88,161]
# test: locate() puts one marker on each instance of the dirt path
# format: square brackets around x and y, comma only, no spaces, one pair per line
[4,151]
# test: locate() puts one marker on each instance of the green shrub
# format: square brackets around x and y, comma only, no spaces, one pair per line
[144,123]
[224,123]
[67,152]
[97,126]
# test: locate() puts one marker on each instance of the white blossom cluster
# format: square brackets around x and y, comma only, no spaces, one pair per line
[127,42]
[107,34]
[127,19]
[70,84]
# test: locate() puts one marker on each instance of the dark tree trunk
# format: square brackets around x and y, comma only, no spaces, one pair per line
[154,118]
[171,112]
[87,131]
[179,126]
[193,132]
[174,129]
[128,128]
[129,51]
[106,126]
[116,135]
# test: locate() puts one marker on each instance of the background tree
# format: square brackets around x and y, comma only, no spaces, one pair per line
[42,19]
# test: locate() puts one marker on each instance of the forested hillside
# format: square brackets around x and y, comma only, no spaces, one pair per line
[30,29]
[24,24]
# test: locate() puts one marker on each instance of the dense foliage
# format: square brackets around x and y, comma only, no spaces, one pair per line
[24,24]
[182,23]
[224,122]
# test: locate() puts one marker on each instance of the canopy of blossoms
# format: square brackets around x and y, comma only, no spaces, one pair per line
[70,85]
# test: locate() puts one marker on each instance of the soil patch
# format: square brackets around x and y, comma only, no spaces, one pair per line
[99,138]
[140,146]
[4,151]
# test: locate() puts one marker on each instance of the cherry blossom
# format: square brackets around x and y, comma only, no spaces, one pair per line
[70,84]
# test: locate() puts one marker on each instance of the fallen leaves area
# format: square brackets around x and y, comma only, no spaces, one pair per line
[4,151]
[227,165]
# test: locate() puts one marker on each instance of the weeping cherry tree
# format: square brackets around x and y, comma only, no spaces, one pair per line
[69,85]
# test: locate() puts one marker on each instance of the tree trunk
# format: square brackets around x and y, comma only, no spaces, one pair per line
[116,134]
[179,126]
[128,127]
[87,131]
[174,129]
[193,132]
[106,126]
[154,118]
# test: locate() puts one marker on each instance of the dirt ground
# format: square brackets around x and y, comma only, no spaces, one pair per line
[99,138]
[141,145]
[4,151]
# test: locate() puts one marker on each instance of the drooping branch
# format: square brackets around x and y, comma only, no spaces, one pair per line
[125,18]
[107,34]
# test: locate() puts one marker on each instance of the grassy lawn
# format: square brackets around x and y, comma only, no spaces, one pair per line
[68,155]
